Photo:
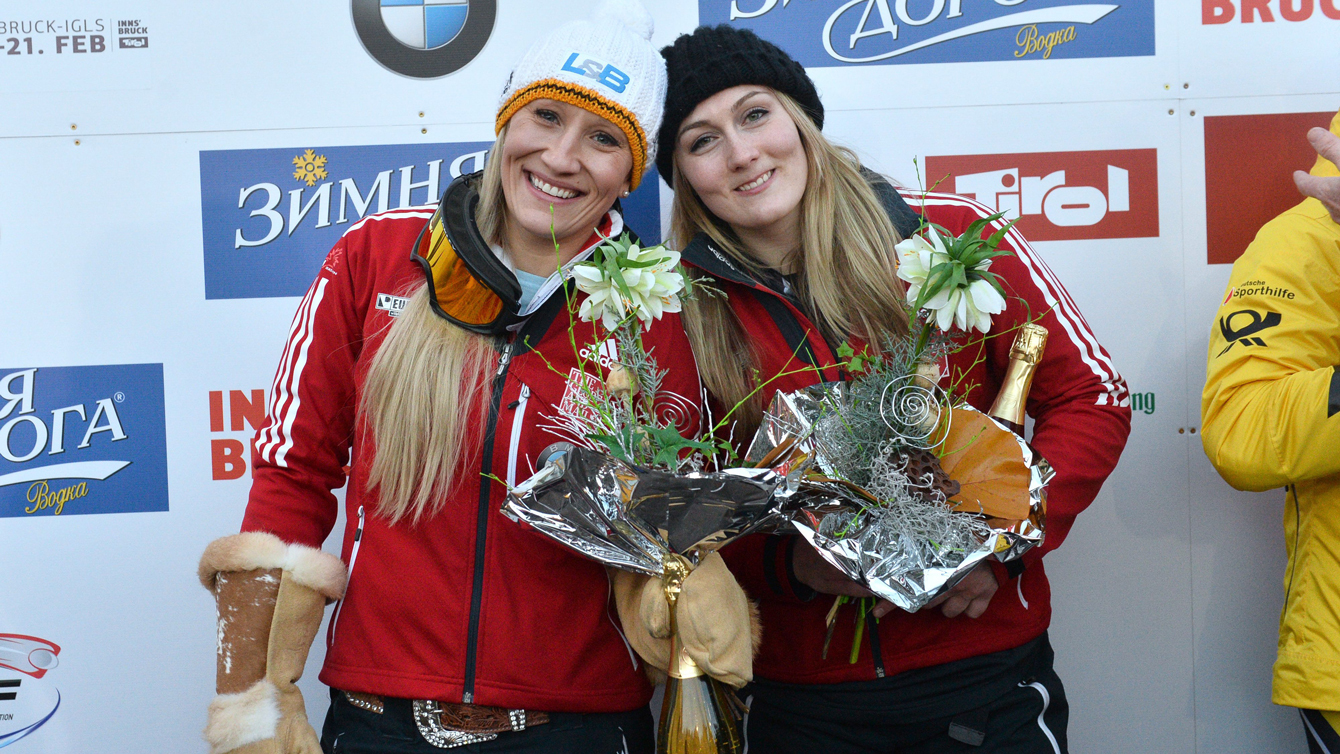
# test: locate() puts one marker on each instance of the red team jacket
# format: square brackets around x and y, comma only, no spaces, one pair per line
[1082,417]
[466,605]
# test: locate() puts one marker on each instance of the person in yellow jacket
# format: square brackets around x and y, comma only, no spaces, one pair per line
[1271,418]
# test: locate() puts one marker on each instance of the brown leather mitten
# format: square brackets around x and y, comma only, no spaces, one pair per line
[270,598]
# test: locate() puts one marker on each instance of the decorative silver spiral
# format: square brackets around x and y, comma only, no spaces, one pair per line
[676,410]
[912,410]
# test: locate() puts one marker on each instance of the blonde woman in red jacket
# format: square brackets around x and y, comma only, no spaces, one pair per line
[801,239]
[454,626]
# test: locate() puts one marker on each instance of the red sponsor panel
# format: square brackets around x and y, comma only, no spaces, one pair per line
[1060,196]
[1249,164]
[1266,11]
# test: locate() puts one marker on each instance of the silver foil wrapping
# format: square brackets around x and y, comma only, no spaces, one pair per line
[631,518]
[877,545]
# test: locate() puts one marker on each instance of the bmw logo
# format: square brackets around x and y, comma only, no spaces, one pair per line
[424,39]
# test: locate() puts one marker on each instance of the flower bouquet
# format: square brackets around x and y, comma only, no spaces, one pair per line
[908,487]
[628,490]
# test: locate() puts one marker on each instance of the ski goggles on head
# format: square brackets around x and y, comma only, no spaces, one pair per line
[468,285]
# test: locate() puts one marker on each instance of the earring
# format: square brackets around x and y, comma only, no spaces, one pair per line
[625,193]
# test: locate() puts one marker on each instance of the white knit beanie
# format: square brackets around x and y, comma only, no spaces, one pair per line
[606,65]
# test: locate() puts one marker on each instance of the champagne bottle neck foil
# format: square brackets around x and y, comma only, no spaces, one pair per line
[1025,355]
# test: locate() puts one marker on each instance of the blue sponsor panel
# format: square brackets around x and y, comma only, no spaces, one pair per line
[269,216]
[864,32]
[77,440]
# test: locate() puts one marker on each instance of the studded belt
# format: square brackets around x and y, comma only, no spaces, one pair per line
[447,725]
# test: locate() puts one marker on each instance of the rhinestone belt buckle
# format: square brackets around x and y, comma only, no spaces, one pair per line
[427,716]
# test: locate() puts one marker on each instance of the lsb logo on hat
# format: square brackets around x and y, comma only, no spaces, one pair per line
[424,39]
[1061,196]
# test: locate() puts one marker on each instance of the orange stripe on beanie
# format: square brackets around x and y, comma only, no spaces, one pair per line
[586,99]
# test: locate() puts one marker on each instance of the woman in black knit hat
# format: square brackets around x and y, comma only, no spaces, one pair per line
[801,239]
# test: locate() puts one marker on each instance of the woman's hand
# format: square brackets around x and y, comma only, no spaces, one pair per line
[1325,190]
[968,597]
[815,573]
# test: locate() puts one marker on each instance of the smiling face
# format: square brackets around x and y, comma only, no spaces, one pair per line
[742,154]
[561,156]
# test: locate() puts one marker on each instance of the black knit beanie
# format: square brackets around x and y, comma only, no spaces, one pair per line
[715,58]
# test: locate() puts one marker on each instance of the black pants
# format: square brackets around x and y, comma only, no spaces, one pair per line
[1321,737]
[1027,716]
[351,730]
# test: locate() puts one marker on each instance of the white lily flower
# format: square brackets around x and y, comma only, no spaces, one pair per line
[967,306]
[651,291]
[916,257]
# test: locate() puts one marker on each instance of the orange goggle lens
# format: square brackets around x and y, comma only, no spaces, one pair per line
[459,295]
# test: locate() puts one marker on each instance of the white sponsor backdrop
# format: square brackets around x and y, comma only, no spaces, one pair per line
[1167,592]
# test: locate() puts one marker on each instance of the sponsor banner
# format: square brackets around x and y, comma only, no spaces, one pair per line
[244,411]
[854,32]
[1249,164]
[28,699]
[424,38]
[77,440]
[269,216]
[1060,196]
[73,49]
[1267,11]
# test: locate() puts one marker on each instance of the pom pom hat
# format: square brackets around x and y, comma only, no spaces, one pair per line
[605,64]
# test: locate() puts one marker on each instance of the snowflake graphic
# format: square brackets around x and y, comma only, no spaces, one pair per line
[311,167]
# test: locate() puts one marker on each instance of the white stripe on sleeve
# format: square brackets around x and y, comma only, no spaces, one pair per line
[267,439]
[291,411]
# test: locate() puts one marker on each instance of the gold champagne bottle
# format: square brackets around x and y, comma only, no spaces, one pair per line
[1025,355]
[697,716]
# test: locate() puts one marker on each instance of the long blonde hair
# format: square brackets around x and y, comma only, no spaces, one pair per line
[420,396]
[846,271]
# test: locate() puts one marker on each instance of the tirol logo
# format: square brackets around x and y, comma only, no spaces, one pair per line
[1061,196]
[424,39]
[27,697]
[82,440]
[1244,326]
[269,216]
[850,32]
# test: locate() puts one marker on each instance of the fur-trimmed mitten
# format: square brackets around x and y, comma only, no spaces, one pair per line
[718,624]
[270,597]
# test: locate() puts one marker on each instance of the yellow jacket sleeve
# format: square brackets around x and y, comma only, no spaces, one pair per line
[1269,413]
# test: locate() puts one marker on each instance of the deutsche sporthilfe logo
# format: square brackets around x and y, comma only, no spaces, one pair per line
[424,39]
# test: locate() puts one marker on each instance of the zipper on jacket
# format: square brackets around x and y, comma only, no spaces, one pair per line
[353,558]
[518,420]
[482,522]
